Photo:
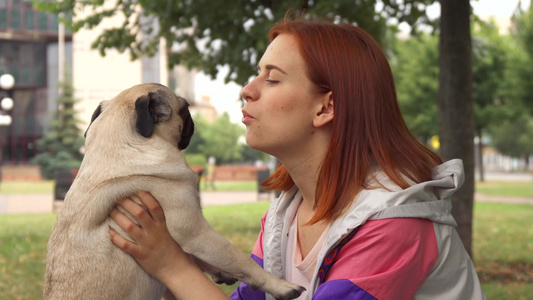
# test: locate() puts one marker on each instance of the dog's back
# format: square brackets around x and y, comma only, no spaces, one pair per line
[82,263]
[122,158]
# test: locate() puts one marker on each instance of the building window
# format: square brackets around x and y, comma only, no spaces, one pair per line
[3,18]
[29,20]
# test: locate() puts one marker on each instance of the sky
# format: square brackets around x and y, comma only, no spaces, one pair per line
[501,8]
[225,97]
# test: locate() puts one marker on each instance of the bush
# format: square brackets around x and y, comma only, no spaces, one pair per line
[195,159]
[60,146]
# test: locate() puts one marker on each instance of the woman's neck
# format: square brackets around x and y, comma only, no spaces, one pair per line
[304,170]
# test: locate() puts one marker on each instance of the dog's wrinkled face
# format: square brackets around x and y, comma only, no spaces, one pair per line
[155,110]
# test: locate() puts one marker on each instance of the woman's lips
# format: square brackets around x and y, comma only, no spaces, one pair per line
[246,118]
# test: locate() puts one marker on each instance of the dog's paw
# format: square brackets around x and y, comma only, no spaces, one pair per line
[219,278]
[292,293]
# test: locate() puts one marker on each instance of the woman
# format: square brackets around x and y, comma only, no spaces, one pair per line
[365,209]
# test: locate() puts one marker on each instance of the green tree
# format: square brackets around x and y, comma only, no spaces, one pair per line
[198,139]
[218,139]
[417,83]
[514,137]
[489,59]
[415,67]
[206,34]
[60,146]
[522,32]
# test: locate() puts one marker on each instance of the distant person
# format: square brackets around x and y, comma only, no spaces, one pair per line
[365,208]
[210,173]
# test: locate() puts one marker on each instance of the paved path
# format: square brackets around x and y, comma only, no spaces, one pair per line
[44,203]
[514,200]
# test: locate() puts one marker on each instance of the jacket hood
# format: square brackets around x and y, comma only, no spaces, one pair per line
[428,200]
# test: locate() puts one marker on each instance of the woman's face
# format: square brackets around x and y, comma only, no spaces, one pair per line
[280,102]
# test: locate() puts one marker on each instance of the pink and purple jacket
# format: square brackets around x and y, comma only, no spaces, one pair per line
[391,244]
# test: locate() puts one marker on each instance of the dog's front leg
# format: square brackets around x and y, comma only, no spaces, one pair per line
[218,276]
[205,243]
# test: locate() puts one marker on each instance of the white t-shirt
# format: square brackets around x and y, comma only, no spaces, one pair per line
[300,271]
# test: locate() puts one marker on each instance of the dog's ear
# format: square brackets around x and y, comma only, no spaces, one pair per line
[95,115]
[151,109]
[188,127]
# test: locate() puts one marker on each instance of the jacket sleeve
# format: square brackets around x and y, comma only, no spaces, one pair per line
[386,259]
[244,292]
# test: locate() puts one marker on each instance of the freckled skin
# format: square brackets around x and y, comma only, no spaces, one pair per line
[283,111]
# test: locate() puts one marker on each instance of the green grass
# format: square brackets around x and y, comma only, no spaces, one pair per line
[507,232]
[226,186]
[238,223]
[23,240]
[27,187]
[506,188]
[502,247]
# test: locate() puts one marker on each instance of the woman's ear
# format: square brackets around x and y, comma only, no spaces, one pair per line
[325,110]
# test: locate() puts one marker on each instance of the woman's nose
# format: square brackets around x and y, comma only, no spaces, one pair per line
[248,93]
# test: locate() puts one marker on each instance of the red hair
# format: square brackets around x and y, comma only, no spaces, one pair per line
[368,127]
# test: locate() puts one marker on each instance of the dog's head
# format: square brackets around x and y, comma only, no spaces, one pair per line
[152,109]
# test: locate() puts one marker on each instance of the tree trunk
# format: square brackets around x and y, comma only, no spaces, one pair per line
[456,109]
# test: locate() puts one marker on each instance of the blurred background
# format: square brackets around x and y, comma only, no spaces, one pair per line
[59,59]
[95,54]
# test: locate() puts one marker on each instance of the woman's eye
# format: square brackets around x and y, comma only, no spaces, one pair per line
[270,81]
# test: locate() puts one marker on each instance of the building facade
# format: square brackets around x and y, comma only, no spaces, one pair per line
[29,52]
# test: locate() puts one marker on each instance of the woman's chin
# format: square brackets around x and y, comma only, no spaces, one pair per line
[257,145]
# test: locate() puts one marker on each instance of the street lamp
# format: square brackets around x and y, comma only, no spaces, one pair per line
[7,82]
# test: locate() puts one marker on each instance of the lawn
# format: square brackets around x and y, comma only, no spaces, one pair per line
[503,247]
[506,188]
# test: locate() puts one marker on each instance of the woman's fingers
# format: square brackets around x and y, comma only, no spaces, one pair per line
[153,248]
[125,223]
[137,211]
[153,206]
[127,246]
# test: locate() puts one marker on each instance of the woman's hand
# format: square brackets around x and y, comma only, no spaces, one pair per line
[156,251]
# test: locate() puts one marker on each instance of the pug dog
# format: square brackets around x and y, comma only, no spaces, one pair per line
[134,144]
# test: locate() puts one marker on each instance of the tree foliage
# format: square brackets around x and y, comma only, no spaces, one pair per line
[220,139]
[207,34]
[513,135]
[522,32]
[60,147]
[489,60]
[415,67]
